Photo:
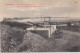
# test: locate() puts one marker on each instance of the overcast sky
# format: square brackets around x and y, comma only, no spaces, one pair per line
[55,8]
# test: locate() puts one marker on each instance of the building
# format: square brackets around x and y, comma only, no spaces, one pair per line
[49,28]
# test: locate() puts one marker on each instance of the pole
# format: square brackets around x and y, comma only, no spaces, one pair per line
[44,23]
[50,25]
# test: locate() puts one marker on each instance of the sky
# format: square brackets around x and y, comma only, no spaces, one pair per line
[52,8]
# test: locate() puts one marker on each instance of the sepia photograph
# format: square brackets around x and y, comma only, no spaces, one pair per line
[39,26]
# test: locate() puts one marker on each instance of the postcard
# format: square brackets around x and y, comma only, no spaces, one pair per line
[39,26]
